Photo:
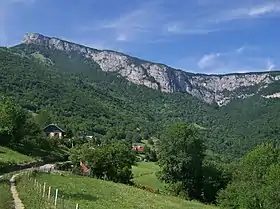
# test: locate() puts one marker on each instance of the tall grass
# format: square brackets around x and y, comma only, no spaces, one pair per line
[6,199]
[33,197]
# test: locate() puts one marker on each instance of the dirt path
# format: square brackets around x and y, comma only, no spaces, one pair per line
[17,202]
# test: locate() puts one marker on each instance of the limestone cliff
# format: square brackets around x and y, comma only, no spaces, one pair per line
[218,89]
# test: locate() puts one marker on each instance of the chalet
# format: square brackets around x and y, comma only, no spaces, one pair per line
[52,130]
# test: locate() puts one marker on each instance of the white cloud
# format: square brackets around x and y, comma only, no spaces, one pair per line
[209,60]
[139,23]
[121,37]
[161,19]
[240,49]
[270,65]
[180,28]
[241,59]
[250,11]
[200,22]
[265,9]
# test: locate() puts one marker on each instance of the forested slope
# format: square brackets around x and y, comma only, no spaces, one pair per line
[72,91]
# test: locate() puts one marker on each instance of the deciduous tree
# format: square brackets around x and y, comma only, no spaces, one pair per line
[181,154]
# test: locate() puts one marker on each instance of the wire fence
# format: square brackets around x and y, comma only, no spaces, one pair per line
[42,195]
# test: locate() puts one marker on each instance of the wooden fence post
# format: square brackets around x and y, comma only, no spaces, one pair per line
[44,189]
[55,200]
[62,200]
[49,193]
[40,189]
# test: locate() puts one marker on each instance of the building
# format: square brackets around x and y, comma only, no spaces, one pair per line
[52,130]
[138,148]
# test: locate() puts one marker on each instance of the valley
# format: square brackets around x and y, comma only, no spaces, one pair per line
[195,129]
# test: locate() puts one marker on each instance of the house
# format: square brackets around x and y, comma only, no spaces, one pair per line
[53,130]
[138,148]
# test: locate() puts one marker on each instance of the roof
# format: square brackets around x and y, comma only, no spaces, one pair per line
[56,126]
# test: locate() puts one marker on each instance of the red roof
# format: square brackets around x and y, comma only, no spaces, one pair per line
[138,148]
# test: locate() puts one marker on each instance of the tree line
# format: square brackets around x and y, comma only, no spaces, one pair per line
[187,168]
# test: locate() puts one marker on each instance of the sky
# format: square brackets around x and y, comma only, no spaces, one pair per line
[203,36]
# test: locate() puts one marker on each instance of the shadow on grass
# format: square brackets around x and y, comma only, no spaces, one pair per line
[78,196]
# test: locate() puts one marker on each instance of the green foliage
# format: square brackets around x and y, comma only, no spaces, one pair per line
[181,155]
[255,181]
[76,94]
[43,118]
[216,176]
[13,121]
[19,131]
[150,154]
[185,167]
[150,141]
[111,161]
[17,127]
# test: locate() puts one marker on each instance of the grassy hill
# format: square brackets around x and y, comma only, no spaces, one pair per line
[9,156]
[145,174]
[93,193]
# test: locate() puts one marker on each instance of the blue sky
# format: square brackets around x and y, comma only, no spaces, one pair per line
[209,36]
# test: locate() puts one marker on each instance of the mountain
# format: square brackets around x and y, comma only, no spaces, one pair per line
[77,94]
[220,89]
[60,83]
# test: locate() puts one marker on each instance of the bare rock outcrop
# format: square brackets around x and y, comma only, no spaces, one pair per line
[219,89]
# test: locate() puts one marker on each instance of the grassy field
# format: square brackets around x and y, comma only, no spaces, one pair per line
[145,174]
[6,200]
[9,156]
[98,194]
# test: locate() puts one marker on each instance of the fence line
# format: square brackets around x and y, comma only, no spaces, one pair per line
[49,196]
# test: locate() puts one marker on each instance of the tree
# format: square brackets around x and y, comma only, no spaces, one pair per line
[255,182]
[181,153]
[18,128]
[150,154]
[112,161]
[216,176]
[150,141]
[12,121]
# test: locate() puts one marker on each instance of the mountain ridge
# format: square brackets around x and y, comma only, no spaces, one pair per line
[211,88]
[77,94]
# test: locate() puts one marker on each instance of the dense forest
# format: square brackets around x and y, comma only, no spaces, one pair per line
[72,91]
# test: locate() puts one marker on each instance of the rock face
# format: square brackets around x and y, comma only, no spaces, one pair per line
[219,89]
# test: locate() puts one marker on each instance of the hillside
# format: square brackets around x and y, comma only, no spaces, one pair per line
[9,156]
[93,193]
[74,91]
[75,87]
[145,174]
